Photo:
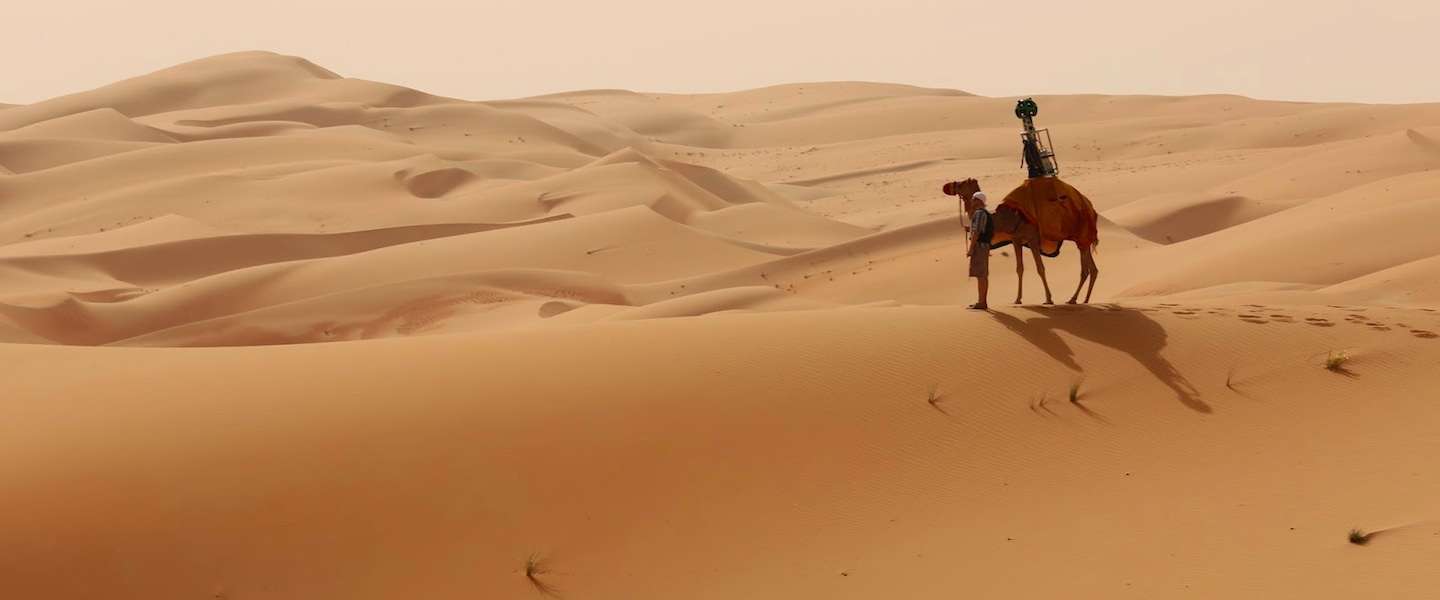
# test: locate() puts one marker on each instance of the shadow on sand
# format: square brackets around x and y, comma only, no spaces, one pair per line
[1127,330]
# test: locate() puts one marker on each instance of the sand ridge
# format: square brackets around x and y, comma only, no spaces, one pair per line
[260,144]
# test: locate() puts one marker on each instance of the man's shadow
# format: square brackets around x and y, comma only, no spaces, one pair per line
[1127,330]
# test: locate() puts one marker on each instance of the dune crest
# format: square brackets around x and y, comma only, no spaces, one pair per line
[262,144]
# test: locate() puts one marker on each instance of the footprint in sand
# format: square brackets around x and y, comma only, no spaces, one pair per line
[1379,327]
[1283,318]
[1319,322]
[1421,333]
[1255,319]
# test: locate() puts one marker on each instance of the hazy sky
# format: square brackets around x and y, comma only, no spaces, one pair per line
[1377,50]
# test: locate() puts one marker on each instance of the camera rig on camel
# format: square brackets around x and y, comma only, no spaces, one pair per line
[1037,153]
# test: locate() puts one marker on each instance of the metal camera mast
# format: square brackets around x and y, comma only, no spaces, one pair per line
[1037,153]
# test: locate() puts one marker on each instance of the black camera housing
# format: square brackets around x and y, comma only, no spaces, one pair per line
[1026,109]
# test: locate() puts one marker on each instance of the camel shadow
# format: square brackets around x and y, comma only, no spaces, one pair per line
[1126,330]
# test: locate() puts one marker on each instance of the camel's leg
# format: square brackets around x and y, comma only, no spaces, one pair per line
[1019,271]
[1040,267]
[1084,274]
[1087,257]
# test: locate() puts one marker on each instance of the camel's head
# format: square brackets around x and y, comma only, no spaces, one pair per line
[965,189]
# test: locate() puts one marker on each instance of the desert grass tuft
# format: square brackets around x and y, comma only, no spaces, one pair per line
[1075,392]
[1039,405]
[1359,537]
[934,397]
[536,568]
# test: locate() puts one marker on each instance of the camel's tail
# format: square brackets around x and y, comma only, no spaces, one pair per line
[1092,228]
[1089,221]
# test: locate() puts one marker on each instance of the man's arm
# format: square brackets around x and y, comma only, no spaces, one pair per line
[974,239]
[965,224]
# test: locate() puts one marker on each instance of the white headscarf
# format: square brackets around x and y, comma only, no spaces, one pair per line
[980,196]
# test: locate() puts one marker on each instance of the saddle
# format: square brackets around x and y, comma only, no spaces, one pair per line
[1057,209]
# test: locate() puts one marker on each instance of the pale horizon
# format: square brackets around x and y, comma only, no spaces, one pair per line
[1376,52]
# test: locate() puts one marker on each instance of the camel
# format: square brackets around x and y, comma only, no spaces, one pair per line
[1012,226]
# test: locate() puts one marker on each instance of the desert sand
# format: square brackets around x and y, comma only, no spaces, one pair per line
[276,333]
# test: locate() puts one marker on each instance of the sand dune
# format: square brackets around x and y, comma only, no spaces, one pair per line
[367,342]
[809,465]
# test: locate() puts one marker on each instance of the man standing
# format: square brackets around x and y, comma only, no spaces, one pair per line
[981,231]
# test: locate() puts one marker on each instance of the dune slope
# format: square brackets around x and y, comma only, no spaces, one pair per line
[673,463]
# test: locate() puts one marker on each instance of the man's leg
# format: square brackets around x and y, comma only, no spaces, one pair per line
[980,270]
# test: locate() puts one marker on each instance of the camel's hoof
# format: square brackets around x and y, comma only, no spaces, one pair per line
[1049,303]
[1072,302]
